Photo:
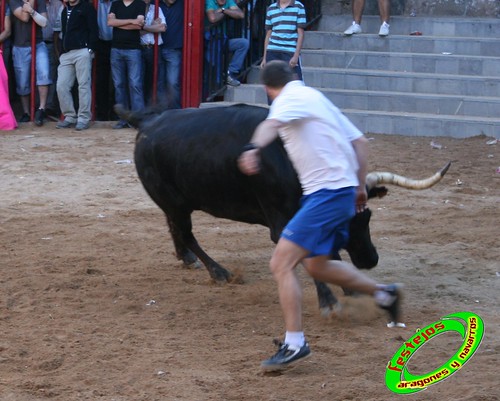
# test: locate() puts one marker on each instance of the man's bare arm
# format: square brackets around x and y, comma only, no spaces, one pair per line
[265,133]
[360,146]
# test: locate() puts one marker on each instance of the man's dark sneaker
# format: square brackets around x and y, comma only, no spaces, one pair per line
[25,118]
[121,124]
[391,302]
[285,356]
[232,80]
[39,116]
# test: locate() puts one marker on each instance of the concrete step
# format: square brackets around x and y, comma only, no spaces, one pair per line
[246,93]
[487,107]
[395,81]
[408,82]
[489,46]
[410,124]
[404,62]
[404,102]
[419,124]
[445,82]
[427,25]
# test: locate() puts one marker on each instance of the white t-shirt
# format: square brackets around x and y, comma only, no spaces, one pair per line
[149,38]
[317,138]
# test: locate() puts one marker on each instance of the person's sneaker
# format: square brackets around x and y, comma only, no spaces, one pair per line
[64,124]
[82,126]
[285,356]
[232,81]
[39,116]
[389,299]
[384,29]
[354,28]
[121,124]
[25,118]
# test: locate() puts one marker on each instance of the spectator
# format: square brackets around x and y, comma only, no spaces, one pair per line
[79,40]
[152,26]
[5,37]
[171,52]
[216,11]
[357,11]
[127,19]
[7,118]
[285,23]
[54,10]
[104,90]
[21,53]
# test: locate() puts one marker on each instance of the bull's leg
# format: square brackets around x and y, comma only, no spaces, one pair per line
[187,248]
[328,304]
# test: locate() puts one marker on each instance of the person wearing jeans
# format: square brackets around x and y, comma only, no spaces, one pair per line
[239,48]
[127,19]
[126,70]
[149,35]
[171,52]
[285,24]
[217,11]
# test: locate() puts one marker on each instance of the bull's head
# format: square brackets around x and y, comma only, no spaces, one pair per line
[360,247]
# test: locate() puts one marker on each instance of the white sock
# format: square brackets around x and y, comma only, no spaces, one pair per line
[295,339]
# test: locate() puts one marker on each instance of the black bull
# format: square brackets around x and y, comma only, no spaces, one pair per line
[187,160]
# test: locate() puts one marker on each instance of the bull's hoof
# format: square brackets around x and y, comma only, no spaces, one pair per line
[221,278]
[331,311]
[189,259]
[196,264]
[219,274]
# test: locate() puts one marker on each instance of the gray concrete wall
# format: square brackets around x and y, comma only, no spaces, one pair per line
[463,8]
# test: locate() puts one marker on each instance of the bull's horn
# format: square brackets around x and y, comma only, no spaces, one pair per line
[376,177]
[133,118]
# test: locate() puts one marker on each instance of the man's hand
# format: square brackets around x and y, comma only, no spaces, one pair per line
[248,162]
[27,7]
[361,199]
[140,20]
[294,61]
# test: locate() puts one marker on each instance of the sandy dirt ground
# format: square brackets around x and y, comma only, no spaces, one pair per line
[95,306]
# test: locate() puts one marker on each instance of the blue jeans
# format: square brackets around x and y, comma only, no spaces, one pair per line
[147,72]
[272,55]
[172,64]
[126,70]
[239,48]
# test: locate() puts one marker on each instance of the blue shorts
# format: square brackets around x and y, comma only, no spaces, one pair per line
[22,67]
[322,223]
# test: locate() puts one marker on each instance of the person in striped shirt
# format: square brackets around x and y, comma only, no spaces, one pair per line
[285,23]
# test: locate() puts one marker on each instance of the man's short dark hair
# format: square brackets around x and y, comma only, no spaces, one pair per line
[276,74]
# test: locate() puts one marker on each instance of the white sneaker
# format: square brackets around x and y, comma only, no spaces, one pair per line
[354,28]
[384,29]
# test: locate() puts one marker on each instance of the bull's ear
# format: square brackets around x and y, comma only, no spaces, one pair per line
[377,192]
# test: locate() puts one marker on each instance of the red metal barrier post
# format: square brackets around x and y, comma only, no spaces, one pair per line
[33,65]
[192,66]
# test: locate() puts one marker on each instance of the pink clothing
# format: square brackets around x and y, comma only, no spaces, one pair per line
[7,118]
